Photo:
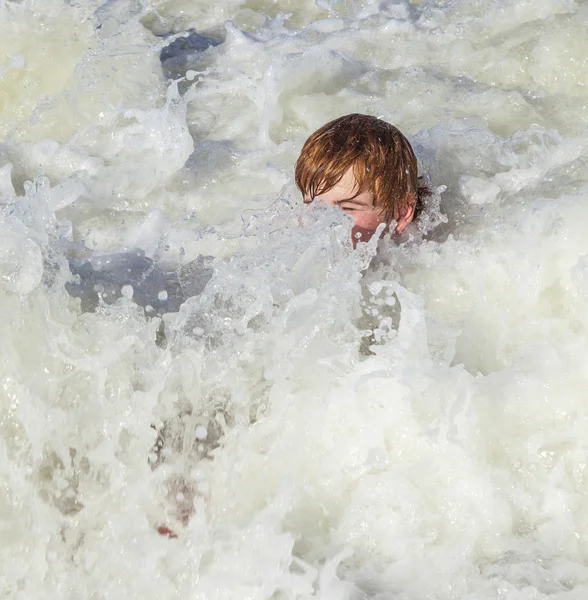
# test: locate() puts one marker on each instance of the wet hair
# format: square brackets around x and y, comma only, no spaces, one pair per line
[382,158]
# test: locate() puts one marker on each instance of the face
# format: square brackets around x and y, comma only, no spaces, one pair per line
[366,216]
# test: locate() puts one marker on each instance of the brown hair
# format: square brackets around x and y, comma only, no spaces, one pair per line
[382,158]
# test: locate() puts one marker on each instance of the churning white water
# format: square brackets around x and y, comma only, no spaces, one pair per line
[405,422]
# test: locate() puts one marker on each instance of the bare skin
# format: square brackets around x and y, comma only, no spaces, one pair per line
[366,216]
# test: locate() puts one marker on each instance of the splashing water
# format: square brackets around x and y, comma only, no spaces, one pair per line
[405,422]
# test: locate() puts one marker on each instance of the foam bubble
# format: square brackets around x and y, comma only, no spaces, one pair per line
[315,421]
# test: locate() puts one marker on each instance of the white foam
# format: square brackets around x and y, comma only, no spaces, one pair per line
[447,462]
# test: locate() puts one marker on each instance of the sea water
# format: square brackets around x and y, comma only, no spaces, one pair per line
[399,422]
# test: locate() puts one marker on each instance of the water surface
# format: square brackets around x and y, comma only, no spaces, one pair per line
[447,462]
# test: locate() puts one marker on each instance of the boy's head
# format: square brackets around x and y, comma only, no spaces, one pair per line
[366,167]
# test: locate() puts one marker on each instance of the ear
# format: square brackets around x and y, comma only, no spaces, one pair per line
[406,215]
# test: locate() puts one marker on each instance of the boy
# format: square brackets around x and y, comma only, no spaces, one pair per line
[366,167]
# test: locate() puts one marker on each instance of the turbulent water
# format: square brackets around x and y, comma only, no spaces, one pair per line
[399,422]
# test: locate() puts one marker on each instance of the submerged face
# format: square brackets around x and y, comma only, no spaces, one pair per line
[366,216]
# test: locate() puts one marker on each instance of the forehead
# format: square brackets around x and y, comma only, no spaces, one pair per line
[346,188]
[347,183]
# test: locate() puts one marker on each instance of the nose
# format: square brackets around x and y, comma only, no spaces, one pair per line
[326,201]
[320,200]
